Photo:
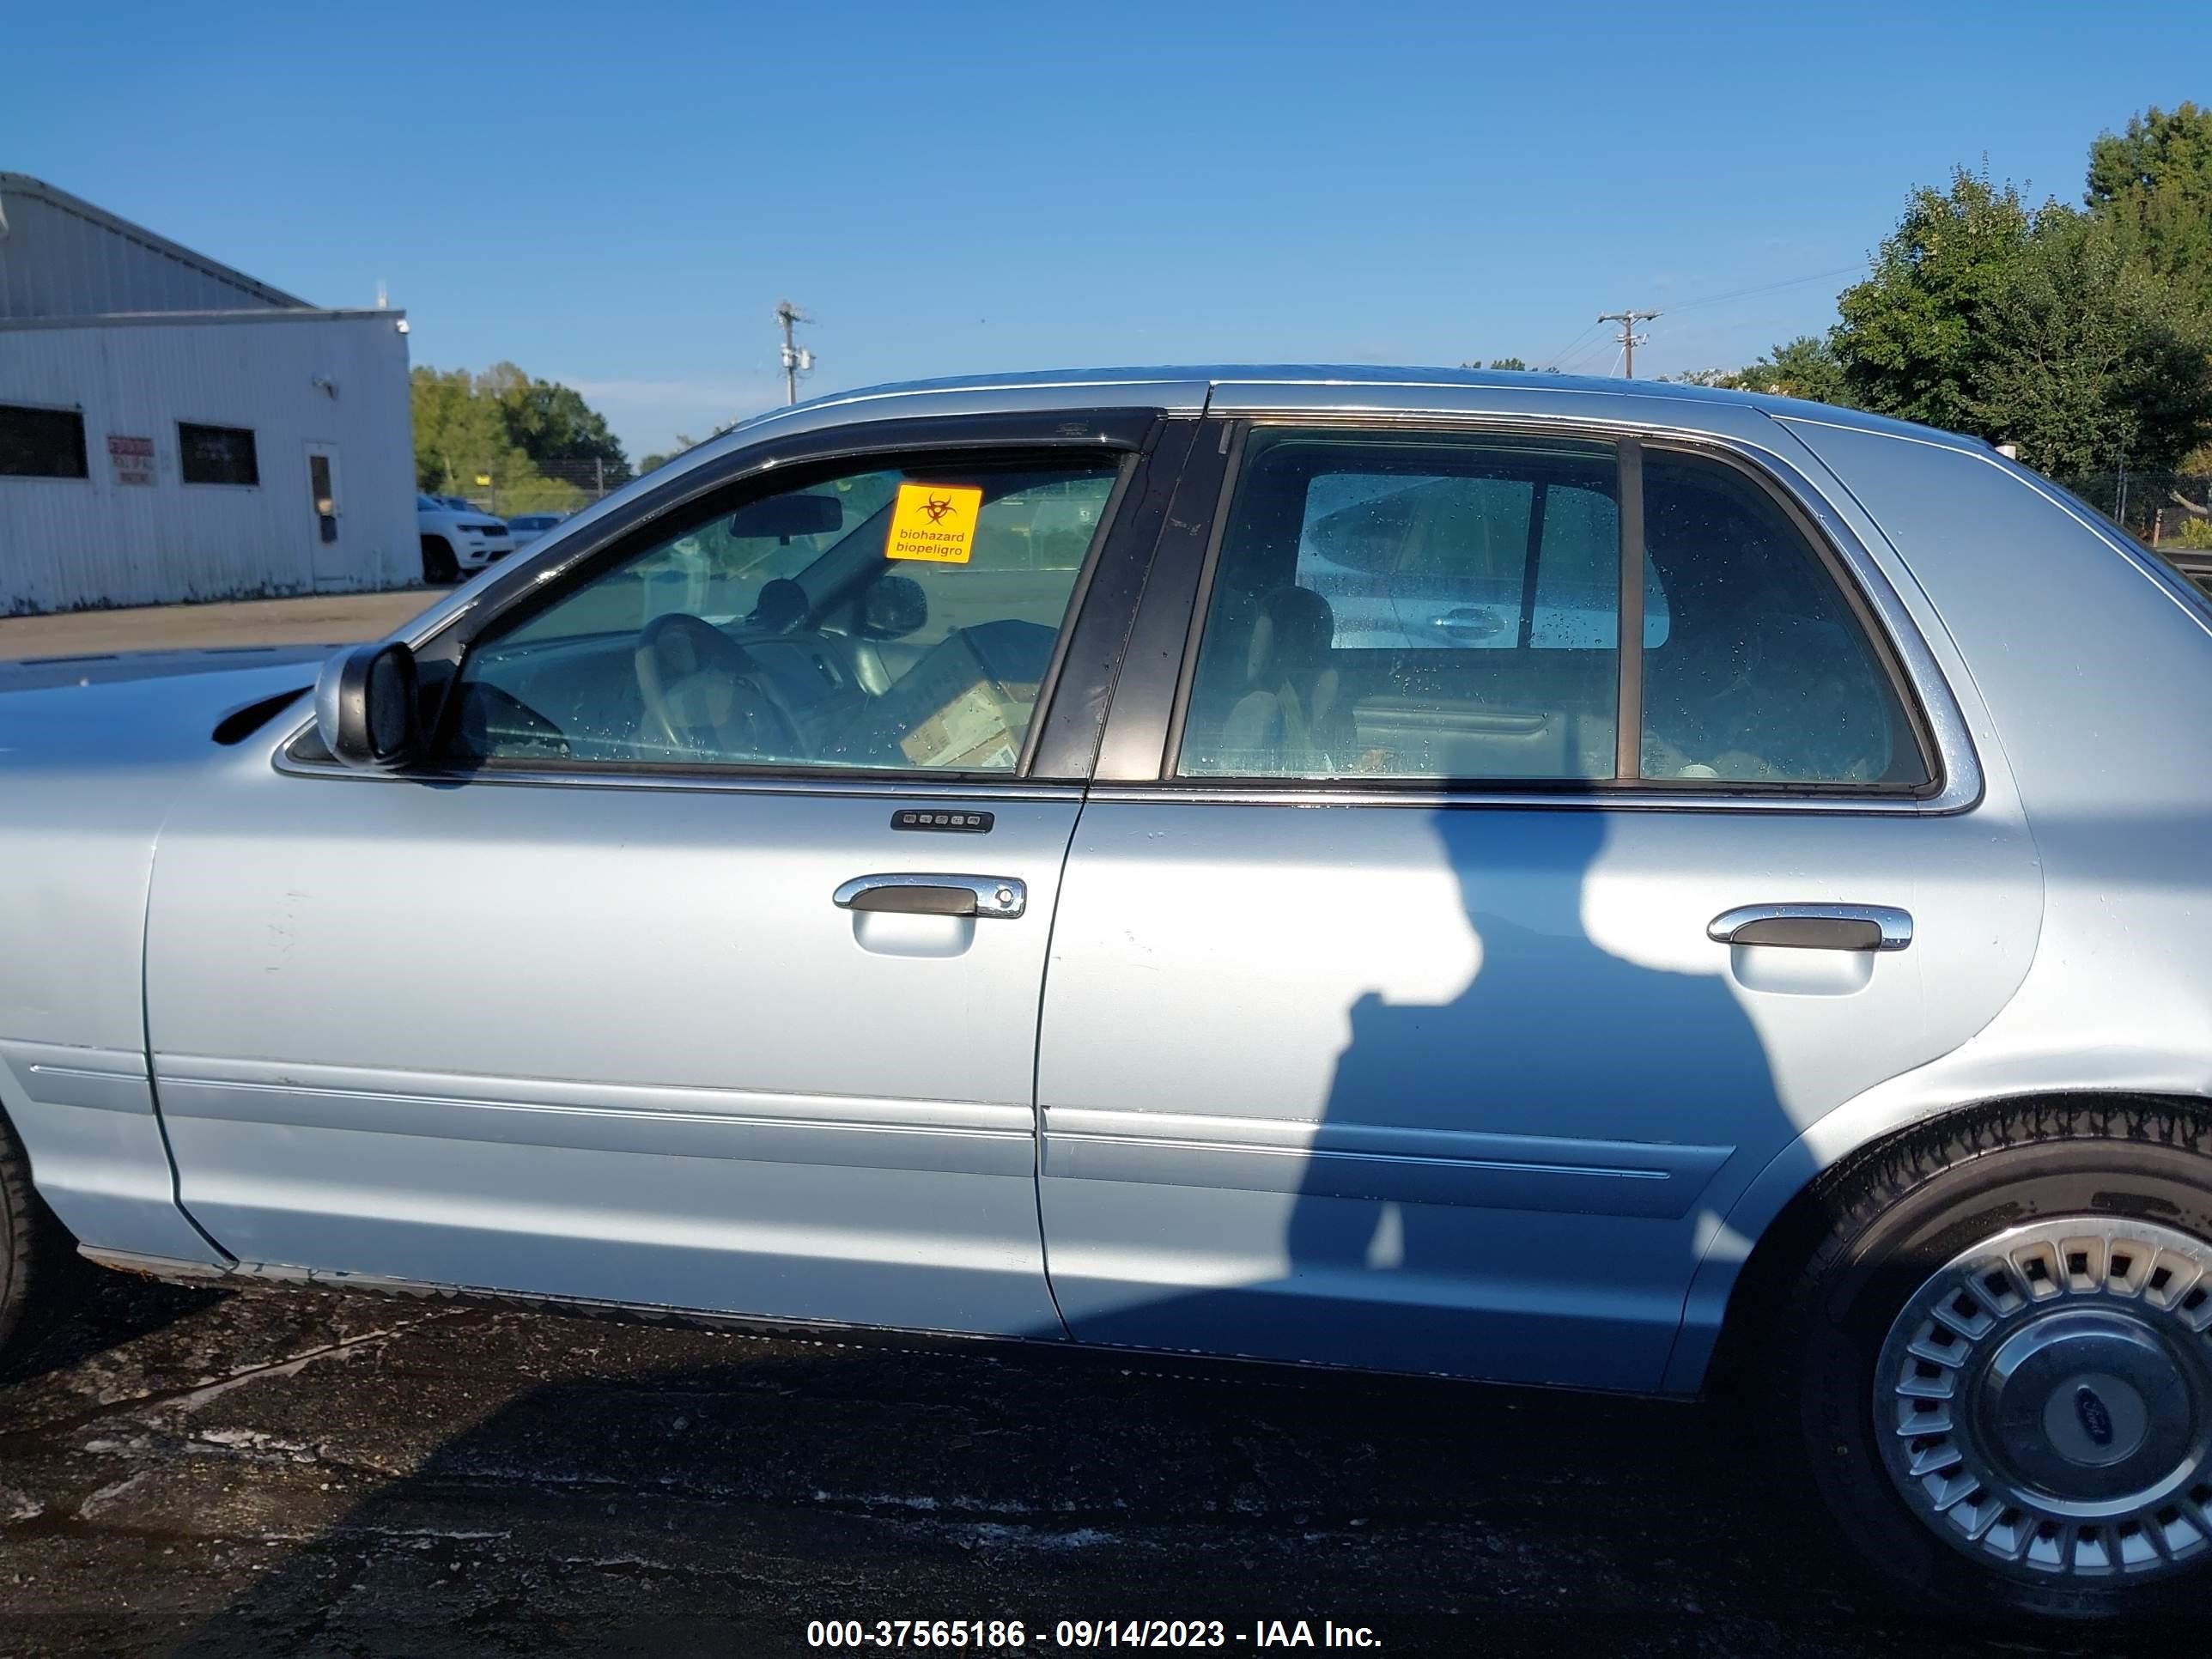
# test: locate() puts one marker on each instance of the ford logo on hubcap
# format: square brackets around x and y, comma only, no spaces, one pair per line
[2096,1417]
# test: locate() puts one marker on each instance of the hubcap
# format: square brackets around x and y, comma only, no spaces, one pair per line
[2044,1401]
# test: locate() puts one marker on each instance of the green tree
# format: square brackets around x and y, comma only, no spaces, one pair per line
[2154,183]
[458,435]
[1806,367]
[504,426]
[1803,368]
[2089,357]
[1915,334]
[2045,327]
[551,423]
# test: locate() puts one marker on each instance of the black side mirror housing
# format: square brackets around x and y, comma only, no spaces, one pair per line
[367,710]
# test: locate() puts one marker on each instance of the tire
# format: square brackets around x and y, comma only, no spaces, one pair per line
[25,1238]
[439,565]
[1973,1221]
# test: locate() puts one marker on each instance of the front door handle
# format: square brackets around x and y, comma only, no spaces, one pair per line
[1005,896]
[1814,926]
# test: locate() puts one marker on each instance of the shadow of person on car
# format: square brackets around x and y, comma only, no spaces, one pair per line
[1504,1184]
[1572,1104]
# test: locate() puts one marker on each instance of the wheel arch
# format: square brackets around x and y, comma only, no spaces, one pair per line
[1745,1291]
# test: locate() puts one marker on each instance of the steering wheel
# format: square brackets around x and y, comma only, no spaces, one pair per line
[702,696]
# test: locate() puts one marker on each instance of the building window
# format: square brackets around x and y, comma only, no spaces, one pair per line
[41,443]
[216,454]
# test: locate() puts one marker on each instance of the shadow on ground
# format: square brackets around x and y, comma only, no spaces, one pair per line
[311,1474]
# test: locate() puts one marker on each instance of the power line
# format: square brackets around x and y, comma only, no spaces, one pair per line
[1558,358]
[1578,361]
[1765,288]
[1630,339]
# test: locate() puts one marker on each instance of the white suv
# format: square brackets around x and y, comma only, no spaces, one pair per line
[458,541]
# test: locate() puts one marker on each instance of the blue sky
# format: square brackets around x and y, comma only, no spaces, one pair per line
[617,197]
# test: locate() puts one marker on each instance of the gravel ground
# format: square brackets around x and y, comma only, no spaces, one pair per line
[278,1472]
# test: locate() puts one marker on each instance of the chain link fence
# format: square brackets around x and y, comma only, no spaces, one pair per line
[2167,510]
[555,486]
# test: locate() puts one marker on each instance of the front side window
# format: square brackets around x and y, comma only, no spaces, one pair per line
[1446,607]
[897,618]
[41,443]
[216,454]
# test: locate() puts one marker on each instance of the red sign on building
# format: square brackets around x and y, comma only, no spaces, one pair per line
[133,459]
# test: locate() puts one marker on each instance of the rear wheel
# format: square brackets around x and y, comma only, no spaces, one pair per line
[439,564]
[1997,1365]
[26,1235]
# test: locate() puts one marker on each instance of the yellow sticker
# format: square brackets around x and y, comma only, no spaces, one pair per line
[936,522]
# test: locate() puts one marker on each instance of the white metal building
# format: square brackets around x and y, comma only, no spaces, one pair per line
[171,429]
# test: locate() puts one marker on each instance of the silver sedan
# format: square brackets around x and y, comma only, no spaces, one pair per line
[1504,876]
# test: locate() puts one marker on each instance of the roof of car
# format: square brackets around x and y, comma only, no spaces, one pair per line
[1210,376]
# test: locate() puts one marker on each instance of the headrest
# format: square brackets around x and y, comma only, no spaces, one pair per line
[1293,634]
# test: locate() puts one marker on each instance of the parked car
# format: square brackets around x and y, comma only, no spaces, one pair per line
[1808,1001]
[458,540]
[529,526]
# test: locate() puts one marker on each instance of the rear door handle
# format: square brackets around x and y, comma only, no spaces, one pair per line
[1814,926]
[1004,896]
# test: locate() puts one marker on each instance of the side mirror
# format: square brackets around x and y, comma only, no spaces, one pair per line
[784,517]
[366,706]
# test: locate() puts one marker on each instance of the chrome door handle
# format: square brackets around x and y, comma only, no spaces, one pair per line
[1468,623]
[1813,926]
[1004,896]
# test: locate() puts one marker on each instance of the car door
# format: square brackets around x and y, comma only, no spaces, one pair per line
[1400,1013]
[698,964]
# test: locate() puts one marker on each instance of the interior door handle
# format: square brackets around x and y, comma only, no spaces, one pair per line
[1004,896]
[1814,926]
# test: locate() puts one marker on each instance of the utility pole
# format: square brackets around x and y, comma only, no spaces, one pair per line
[1630,339]
[796,358]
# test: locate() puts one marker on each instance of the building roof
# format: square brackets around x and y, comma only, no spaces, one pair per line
[201,319]
[20,187]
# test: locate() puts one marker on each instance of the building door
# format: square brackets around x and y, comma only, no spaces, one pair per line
[332,563]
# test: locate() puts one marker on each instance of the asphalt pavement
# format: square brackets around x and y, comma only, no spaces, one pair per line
[271,1472]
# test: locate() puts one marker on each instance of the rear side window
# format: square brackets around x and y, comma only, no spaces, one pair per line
[1766,676]
[1448,607]
[1413,610]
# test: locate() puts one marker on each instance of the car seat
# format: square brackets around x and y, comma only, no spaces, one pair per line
[1286,722]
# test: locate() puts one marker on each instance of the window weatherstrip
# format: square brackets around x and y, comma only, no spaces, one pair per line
[1049,688]
[1537,497]
[1628,714]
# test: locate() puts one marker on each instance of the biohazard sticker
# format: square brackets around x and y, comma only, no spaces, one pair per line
[936,522]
